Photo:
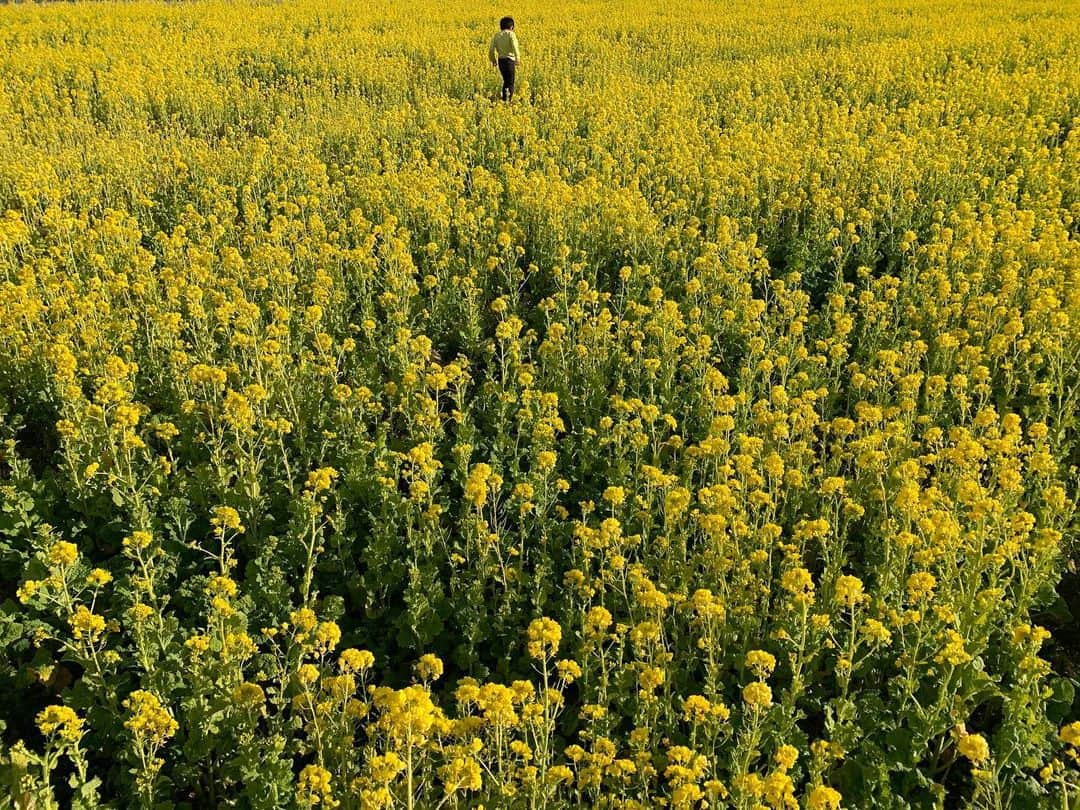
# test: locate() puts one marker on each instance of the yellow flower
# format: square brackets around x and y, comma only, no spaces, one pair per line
[63,553]
[975,748]
[341,687]
[798,583]
[249,695]
[201,374]
[757,694]
[225,517]
[314,787]
[614,495]
[568,670]
[953,652]
[545,460]
[650,679]
[303,620]
[60,720]
[706,605]
[327,635]
[150,721]
[1070,734]
[779,790]
[461,774]
[29,589]
[321,479]
[597,621]
[140,612]
[544,635]
[686,795]
[849,591]
[307,674]
[99,577]
[238,645]
[559,774]
[785,757]
[876,631]
[467,692]
[237,412]
[496,702]
[353,660]
[760,663]
[823,798]
[221,586]
[138,540]
[676,501]
[509,329]
[429,667]
[921,586]
[406,713]
[476,485]
[696,708]
[384,768]
[86,625]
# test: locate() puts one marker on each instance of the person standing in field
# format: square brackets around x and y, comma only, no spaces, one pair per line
[505,54]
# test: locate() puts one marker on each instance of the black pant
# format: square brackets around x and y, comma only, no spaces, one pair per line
[507,67]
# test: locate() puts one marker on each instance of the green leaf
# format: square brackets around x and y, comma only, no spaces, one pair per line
[898,747]
[1059,705]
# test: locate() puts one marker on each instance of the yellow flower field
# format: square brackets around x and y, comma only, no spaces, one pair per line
[698,430]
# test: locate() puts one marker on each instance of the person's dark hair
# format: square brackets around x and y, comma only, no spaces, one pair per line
[506,23]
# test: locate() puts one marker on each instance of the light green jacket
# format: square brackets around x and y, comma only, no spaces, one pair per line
[504,45]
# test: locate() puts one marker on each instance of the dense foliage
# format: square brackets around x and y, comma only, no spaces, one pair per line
[698,430]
